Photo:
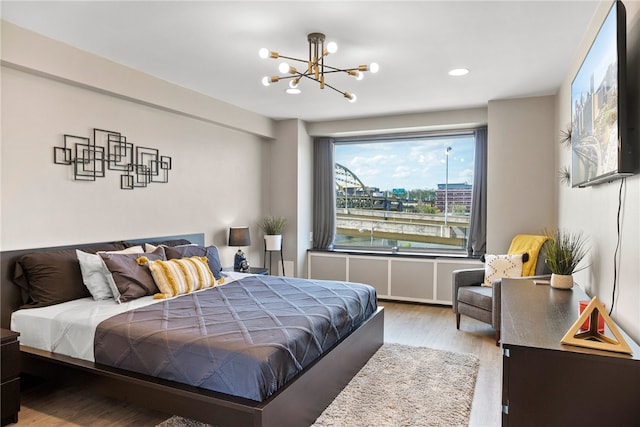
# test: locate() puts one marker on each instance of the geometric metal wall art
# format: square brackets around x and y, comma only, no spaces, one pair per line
[110,150]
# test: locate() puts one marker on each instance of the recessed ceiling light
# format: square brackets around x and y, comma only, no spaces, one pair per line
[458,72]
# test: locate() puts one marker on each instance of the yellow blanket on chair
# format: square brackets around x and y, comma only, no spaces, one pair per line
[530,244]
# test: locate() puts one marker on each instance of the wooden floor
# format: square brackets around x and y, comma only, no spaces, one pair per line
[412,324]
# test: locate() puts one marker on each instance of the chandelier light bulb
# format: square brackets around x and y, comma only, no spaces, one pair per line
[283,68]
[332,47]
[263,53]
[294,83]
[266,81]
[353,98]
[374,67]
[359,75]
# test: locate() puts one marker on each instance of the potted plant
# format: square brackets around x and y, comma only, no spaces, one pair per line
[563,252]
[273,226]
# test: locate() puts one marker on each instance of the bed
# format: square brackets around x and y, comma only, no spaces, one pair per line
[296,399]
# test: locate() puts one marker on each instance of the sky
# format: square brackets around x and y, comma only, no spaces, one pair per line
[601,54]
[411,164]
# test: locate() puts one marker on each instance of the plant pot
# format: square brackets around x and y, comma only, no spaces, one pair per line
[561,281]
[273,242]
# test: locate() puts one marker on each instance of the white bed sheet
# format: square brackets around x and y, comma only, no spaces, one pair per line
[69,328]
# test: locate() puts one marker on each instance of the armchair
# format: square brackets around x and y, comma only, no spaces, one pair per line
[483,302]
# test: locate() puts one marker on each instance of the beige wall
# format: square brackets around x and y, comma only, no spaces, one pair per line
[290,178]
[217,166]
[520,178]
[593,210]
[41,55]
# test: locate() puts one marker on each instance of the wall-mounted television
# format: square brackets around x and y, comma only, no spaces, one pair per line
[601,150]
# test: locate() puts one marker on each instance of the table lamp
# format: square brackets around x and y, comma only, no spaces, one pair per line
[239,236]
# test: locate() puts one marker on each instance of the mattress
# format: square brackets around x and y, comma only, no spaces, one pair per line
[69,328]
[246,338]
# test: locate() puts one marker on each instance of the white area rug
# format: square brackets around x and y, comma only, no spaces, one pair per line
[399,386]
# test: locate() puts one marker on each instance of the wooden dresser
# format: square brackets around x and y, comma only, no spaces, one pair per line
[546,383]
[10,372]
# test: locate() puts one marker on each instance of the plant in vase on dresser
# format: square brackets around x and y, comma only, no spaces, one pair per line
[563,252]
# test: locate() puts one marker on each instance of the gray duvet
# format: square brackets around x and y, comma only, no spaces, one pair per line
[246,338]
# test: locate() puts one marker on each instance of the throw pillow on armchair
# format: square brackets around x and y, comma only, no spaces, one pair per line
[501,266]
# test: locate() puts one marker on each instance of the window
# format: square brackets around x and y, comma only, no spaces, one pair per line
[413,193]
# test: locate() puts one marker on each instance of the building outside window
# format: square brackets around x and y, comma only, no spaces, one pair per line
[456,195]
[413,192]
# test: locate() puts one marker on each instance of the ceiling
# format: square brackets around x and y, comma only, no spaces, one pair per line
[512,48]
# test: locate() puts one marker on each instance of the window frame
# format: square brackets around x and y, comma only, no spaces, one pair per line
[433,135]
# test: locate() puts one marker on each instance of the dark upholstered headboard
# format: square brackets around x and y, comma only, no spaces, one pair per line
[10,295]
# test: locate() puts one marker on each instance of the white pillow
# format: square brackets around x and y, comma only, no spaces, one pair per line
[94,272]
[149,248]
[501,266]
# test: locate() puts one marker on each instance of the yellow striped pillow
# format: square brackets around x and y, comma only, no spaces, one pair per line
[180,276]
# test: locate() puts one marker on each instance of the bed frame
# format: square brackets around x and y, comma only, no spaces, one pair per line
[299,403]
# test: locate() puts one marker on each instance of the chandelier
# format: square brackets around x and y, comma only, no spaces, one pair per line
[315,67]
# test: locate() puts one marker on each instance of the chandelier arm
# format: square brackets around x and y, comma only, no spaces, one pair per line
[346,70]
[293,59]
[331,87]
[287,77]
[339,71]
[307,75]
[310,77]
[296,75]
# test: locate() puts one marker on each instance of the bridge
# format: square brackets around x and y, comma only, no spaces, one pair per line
[351,192]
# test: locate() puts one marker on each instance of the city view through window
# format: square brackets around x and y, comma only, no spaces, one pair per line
[405,193]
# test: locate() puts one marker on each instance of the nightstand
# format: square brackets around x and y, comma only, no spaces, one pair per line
[252,270]
[10,372]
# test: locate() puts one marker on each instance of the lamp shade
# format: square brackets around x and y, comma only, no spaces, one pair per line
[239,236]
